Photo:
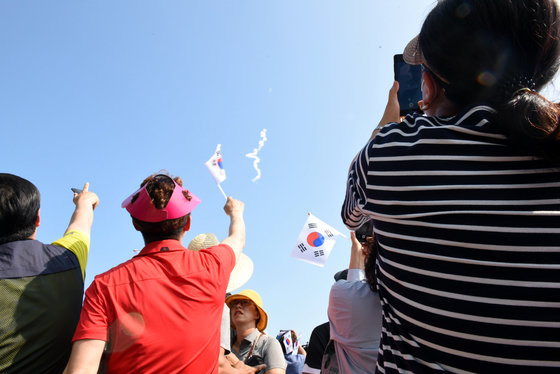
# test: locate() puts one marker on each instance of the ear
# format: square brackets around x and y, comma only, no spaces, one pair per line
[38,221]
[187,226]
[135,226]
[429,88]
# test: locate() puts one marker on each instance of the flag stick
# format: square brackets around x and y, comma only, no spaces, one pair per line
[222,190]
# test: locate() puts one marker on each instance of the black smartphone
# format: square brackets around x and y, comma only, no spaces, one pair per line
[364,231]
[410,85]
[254,360]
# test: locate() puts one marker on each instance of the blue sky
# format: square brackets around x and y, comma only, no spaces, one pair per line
[112,91]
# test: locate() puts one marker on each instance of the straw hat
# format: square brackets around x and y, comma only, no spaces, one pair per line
[412,53]
[243,267]
[255,298]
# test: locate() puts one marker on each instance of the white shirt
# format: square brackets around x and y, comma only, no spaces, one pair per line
[355,320]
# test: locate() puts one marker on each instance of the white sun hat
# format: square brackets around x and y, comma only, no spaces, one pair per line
[243,269]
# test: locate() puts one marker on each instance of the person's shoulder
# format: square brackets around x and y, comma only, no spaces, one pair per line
[346,290]
[322,330]
[266,337]
[263,337]
[30,245]
[349,284]
[116,275]
[25,258]
[341,286]
[272,352]
[271,341]
[71,237]
[218,250]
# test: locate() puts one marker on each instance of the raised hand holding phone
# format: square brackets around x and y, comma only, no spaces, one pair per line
[410,85]
[83,196]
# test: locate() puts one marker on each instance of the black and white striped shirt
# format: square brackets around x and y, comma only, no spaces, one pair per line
[469,246]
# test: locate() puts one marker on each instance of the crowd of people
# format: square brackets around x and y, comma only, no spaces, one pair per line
[459,273]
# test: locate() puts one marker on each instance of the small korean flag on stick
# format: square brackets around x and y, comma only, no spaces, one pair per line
[315,241]
[216,168]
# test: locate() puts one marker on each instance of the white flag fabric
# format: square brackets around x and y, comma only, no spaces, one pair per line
[315,241]
[215,166]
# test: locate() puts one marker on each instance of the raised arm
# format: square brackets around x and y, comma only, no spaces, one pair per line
[392,109]
[82,218]
[391,114]
[357,253]
[236,240]
[356,187]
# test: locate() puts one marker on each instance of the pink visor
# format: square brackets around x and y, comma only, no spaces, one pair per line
[143,209]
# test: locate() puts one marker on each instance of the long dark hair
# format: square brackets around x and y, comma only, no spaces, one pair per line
[500,53]
[370,264]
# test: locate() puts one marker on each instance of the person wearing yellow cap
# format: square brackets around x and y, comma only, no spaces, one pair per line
[250,343]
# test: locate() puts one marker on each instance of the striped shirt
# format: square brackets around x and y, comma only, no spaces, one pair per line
[468,260]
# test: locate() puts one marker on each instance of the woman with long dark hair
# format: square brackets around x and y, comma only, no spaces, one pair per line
[465,198]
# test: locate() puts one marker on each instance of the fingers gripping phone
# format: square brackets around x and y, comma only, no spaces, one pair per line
[410,85]
[365,230]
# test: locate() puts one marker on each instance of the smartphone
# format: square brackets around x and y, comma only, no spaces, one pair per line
[410,85]
[364,231]
[254,360]
[76,190]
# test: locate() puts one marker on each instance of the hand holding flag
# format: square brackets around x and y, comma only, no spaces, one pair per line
[285,337]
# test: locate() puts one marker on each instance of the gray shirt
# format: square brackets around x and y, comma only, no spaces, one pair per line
[355,320]
[266,347]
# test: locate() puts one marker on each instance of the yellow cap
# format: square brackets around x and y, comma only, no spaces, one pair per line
[255,298]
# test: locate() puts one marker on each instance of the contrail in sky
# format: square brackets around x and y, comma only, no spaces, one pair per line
[256,158]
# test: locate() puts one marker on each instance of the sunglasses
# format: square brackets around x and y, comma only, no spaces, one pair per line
[244,303]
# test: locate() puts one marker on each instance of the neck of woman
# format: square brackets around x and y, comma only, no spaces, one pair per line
[243,332]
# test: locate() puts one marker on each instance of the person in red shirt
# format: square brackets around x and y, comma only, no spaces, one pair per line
[159,312]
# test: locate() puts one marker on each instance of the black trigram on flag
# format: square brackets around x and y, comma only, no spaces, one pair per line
[329,233]
[319,253]
[302,247]
[312,225]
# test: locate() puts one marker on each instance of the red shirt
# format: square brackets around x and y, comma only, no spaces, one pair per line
[160,312]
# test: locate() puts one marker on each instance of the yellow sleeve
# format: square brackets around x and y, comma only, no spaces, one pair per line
[76,242]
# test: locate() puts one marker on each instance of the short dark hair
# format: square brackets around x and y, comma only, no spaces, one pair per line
[19,206]
[160,188]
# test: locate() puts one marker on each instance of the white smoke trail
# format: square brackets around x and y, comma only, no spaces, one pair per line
[256,158]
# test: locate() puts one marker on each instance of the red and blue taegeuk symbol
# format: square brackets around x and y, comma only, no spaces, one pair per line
[220,163]
[315,239]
